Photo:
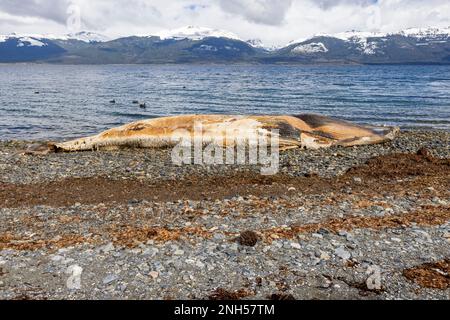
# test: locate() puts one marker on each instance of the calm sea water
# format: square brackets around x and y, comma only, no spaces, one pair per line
[75,100]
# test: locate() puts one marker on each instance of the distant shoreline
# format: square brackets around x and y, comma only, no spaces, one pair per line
[344,64]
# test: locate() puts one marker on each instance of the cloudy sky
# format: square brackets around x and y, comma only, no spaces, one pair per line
[275,22]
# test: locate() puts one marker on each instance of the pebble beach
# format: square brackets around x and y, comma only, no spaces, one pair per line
[366,222]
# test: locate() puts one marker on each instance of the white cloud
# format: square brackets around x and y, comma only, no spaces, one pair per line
[274,21]
[260,11]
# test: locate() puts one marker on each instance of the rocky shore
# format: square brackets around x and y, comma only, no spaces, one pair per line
[369,222]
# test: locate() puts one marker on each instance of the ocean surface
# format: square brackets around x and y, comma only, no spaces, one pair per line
[60,102]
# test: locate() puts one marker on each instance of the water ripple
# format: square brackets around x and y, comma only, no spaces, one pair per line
[75,100]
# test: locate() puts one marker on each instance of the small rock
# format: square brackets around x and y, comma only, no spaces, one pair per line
[323,231]
[57,258]
[357,180]
[218,236]
[325,284]
[133,202]
[107,248]
[342,253]
[323,255]
[109,279]
[439,201]
[74,281]
[234,247]
[178,252]
[296,245]
[425,235]
[151,251]
[122,287]
[143,267]
[154,275]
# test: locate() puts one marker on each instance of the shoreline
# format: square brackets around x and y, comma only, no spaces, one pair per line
[22,141]
[142,228]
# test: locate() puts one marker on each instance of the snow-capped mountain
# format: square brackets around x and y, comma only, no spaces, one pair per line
[427,33]
[195,34]
[310,48]
[257,43]
[368,42]
[84,36]
[204,45]
[419,45]
[36,39]
[36,47]
[24,40]
[418,33]
[25,48]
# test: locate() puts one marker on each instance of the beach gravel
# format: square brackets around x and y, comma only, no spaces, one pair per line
[369,222]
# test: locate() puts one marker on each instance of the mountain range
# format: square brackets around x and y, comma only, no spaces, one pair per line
[204,45]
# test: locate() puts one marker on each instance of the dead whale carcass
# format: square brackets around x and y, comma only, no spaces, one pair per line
[301,131]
